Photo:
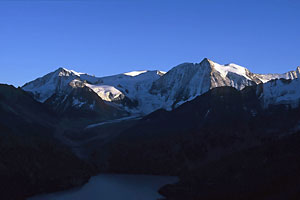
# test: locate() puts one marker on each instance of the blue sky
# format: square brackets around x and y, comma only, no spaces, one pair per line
[115,36]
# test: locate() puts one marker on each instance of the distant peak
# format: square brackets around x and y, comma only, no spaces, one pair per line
[66,72]
[161,73]
[62,69]
[206,60]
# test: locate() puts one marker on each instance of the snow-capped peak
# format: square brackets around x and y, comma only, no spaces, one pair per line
[66,72]
[57,81]
[133,85]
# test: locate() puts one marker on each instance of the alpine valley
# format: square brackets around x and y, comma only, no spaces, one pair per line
[226,132]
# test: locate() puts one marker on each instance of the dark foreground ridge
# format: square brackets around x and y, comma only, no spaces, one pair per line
[219,122]
[269,171]
[31,159]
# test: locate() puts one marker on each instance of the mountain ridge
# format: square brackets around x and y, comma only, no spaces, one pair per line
[142,92]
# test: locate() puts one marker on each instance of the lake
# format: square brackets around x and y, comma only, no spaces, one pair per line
[114,187]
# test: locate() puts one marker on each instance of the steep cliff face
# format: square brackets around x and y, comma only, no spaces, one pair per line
[182,83]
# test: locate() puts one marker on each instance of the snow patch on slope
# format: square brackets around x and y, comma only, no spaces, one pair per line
[106,92]
[233,68]
[267,77]
[137,88]
[135,73]
[281,92]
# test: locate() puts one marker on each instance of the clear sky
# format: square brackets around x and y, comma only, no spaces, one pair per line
[116,36]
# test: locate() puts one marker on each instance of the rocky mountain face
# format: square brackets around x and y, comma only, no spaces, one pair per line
[32,160]
[79,102]
[187,81]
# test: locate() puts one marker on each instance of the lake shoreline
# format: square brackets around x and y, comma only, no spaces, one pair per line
[114,187]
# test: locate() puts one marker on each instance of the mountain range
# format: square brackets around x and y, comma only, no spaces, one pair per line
[142,92]
[197,116]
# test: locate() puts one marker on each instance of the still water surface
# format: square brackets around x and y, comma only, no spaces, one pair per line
[114,187]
